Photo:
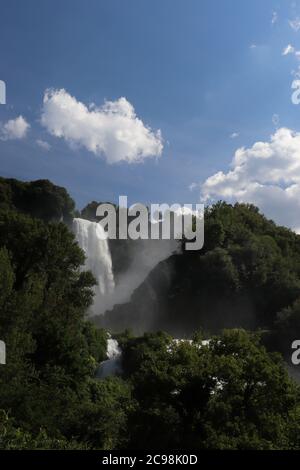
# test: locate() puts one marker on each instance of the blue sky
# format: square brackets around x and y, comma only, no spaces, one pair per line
[199,71]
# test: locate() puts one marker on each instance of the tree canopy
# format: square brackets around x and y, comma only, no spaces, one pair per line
[219,389]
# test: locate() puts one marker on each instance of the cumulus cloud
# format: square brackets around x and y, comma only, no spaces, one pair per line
[112,130]
[43,144]
[14,129]
[267,175]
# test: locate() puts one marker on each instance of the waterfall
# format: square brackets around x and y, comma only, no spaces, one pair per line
[92,239]
[112,365]
[2,353]
[145,255]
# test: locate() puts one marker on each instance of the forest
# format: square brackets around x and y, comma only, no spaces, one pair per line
[225,384]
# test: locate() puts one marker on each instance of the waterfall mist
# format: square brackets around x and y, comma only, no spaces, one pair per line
[144,254]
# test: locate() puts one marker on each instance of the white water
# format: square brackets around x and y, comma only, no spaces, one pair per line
[92,239]
[112,365]
[145,256]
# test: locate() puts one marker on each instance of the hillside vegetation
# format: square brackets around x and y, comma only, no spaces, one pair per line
[231,392]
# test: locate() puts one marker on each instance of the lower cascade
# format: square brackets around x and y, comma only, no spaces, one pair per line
[112,365]
[92,239]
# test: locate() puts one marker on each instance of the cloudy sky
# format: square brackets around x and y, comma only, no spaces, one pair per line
[160,100]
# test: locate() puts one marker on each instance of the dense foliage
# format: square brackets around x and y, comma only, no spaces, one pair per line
[228,393]
[39,198]
[52,350]
[225,393]
[246,274]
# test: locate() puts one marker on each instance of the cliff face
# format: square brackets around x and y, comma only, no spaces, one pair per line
[144,311]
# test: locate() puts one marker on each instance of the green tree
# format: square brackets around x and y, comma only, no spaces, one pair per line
[229,393]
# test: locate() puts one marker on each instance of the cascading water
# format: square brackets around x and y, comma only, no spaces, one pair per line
[92,239]
[112,365]
[145,255]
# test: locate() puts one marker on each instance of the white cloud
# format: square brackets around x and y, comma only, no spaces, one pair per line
[234,135]
[267,174]
[253,46]
[295,24]
[112,130]
[14,129]
[289,49]
[43,144]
